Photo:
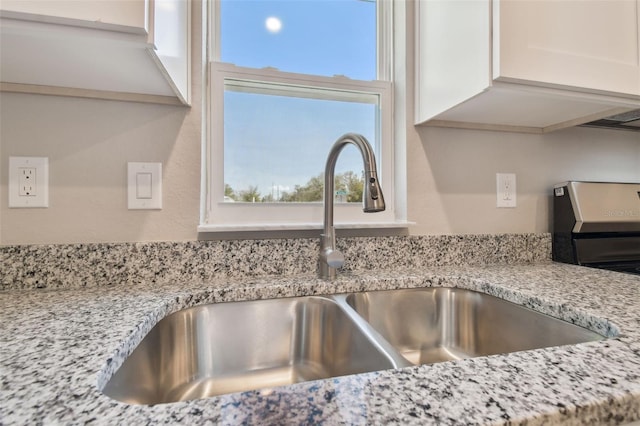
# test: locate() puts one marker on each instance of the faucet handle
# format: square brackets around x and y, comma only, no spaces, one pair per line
[334,258]
[373,189]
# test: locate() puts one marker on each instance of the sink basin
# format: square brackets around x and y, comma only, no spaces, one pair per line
[430,325]
[230,347]
[239,346]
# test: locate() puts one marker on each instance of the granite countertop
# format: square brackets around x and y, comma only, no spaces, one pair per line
[57,346]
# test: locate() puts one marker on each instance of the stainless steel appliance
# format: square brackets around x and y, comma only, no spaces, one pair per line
[597,224]
[629,120]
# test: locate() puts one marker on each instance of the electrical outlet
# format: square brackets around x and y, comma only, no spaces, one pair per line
[28,182]
[506,190]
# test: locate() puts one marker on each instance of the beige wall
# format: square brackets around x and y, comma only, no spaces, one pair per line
[452,178]
[451,173]
[89,143]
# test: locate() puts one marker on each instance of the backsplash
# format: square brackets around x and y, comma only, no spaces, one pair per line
[106,264]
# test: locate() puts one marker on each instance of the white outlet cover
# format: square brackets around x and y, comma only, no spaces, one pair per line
[144,183]
[40,197]
[506,190]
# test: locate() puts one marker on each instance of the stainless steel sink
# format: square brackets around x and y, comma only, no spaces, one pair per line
[442,324]
[230,347]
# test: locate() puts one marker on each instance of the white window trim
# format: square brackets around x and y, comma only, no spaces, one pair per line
[218,216]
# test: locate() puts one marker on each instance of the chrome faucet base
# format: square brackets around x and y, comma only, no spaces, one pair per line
[330,258]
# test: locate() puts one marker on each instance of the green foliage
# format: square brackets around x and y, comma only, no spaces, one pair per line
[250,195]
[312,191]
[352,184]
[229,192]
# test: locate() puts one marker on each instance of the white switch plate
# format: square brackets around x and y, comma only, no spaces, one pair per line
[144,181]
[28,182]
[506,190]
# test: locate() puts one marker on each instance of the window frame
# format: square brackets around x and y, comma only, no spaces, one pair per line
[217,215]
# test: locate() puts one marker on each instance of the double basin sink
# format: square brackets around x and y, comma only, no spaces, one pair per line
[239,346]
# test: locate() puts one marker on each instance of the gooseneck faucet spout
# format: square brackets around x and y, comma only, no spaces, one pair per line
[372,200]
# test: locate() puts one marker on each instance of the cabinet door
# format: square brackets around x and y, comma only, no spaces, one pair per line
[128,14]
[587,44]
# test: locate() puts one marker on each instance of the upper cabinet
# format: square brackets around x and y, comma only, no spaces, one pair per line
[588,44]
[529,66]
[132,50]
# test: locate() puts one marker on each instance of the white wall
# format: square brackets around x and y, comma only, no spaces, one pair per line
[451,173]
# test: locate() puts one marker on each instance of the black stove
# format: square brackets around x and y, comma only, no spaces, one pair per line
[597,224]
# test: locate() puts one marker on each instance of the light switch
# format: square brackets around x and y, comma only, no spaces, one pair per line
[144,186]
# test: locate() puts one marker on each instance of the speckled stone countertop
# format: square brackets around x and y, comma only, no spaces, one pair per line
[58,346]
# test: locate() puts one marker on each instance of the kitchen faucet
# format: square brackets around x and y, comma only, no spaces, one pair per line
[372,200]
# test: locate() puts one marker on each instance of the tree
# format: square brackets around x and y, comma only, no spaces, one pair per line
[313,190]
[352,184]
[229,192]
[309,192]
[250,195]
[269,198]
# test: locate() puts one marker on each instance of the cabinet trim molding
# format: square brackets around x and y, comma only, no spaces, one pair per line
[521,129]
[73,92]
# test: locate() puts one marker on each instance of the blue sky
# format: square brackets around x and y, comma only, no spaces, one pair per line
[324,37]
[273,140]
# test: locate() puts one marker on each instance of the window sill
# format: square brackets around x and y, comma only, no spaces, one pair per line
[299,226]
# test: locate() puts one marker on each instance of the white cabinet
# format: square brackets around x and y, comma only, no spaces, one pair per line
[525,65]
[590,44]
[129,15]
[135,50]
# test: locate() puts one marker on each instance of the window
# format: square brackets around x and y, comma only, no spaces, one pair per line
[286,80]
